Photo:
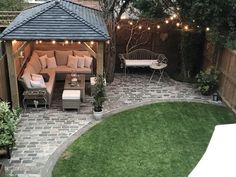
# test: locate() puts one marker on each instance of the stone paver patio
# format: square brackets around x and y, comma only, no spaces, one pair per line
[43,135]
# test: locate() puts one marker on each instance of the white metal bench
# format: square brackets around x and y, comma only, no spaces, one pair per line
[141,58]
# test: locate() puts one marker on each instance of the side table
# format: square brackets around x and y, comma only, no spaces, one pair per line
[35,95]
[157,66]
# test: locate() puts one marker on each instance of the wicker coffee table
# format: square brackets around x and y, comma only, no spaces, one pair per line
[79,86]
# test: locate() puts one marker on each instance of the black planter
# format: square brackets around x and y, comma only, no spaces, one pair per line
[2,170]
[7,150]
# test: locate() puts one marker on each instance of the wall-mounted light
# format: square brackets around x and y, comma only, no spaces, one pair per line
[14,42]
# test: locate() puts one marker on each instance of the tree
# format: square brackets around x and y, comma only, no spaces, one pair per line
[112,9]
[11,5]
[219,16]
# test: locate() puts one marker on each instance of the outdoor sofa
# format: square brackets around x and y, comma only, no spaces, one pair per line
[140,58]
[34,66]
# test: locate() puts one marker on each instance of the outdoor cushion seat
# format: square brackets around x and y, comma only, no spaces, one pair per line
[139,63]
[34,67]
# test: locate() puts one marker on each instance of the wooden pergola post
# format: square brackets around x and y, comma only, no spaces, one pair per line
[100,57]
[12,75]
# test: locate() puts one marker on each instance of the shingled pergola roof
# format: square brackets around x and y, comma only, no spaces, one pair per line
[57,20]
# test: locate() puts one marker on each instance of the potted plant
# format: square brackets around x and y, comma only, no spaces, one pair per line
[8,120]
[208,81]
[99,96]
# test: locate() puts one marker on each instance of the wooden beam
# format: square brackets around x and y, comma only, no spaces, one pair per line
[12,76]
[89,49]
[100,58]
[21,48]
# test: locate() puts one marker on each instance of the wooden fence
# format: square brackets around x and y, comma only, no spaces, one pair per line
[227,67]
[226,64]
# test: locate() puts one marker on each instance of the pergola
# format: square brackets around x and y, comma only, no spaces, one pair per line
[55,20]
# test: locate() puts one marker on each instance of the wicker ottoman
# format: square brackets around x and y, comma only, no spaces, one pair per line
[71,99]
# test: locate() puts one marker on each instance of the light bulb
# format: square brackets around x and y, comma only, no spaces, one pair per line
[167,21]
[158,26]
[140,27]
[53,42]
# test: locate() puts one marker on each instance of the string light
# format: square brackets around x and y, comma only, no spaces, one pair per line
[66,42]
[91,42]
[167,21]
[71,42]
[53,42]
[131,23]
[36,42]
[193,21]
[79,42]
[171,18]
[149,28]
[158,26]
[140,27]
[177,24]
[207,29]
[174,16]
[186,27]
[108,42]
[118,27]
[40,42]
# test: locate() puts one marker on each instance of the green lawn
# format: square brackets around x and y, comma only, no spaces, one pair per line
[159,140]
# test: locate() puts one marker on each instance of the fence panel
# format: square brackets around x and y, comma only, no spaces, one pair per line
[227,86]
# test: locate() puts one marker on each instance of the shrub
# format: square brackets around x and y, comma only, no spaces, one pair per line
[8,120]
[208,81]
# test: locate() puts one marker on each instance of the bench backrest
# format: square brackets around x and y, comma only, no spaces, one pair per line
[143,54]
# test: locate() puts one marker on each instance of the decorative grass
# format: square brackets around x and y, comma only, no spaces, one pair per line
[159,140]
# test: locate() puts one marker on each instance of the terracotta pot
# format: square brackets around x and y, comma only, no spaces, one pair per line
[2,170]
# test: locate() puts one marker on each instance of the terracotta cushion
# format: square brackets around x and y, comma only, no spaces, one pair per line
[81,53]
[62,57]
[35,63]
[49,53]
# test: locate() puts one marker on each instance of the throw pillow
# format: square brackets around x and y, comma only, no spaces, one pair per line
[43,61]
[37,77]
[81,61]
[51,62]
[37,84]
[72,61]
[88,61]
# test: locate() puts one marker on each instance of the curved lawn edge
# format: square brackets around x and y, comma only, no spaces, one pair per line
[51,162]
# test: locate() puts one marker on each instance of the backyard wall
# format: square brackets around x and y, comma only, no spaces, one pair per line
[226,64]
[165,40]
